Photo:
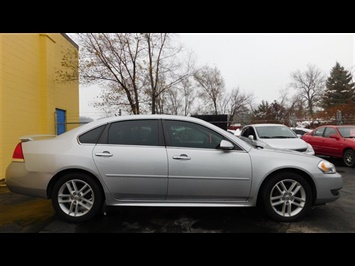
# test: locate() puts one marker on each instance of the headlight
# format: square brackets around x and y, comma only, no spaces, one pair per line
[309,148]
[326,167]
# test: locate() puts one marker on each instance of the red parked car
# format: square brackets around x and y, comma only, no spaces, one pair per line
[335,141]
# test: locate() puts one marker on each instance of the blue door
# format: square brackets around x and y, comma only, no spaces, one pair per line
[61,120]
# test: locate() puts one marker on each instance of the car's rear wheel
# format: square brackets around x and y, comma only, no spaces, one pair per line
[76,197]
[349,158]
[286,197]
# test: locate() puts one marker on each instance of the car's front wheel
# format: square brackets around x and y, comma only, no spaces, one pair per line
[349,158]
[286,197]
[76,197]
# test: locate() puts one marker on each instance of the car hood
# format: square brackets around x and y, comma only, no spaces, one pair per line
[350,140]
[291,144]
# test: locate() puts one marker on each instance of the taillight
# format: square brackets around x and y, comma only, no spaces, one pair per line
[18,153]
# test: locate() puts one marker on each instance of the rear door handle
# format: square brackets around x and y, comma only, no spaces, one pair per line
[181,157]
[104,154]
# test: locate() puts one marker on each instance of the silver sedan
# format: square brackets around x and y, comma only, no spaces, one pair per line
[163,160]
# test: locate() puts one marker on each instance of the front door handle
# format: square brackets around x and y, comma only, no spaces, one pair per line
[181,157]
[104,154]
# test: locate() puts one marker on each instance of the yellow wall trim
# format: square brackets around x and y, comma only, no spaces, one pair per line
[46,35]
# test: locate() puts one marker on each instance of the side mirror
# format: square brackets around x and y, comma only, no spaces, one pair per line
[251,137]
[333,136]
[226,145]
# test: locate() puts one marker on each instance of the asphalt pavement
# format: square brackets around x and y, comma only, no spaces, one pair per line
[24,214]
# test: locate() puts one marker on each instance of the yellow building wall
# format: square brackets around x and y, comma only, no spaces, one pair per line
[1,100]
[30,92]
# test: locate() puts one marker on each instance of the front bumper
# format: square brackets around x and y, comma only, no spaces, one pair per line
[328,187]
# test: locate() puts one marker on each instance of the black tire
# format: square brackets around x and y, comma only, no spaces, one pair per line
[292,193]
[349,158]
[82,203]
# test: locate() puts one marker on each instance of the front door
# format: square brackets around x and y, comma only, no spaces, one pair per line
[199,171]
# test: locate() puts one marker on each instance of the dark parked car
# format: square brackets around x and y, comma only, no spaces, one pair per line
[162,160]
[334,141]
[300,131]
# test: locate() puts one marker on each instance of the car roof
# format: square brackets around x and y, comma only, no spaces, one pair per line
[103,121]
[266,125]
[130,117]
[337,126]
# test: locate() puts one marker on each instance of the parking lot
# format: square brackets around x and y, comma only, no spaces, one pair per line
[23,214]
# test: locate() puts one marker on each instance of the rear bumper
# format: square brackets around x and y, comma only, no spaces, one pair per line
[21,181]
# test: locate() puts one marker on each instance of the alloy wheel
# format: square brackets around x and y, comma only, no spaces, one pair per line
[288,198]
[76,198]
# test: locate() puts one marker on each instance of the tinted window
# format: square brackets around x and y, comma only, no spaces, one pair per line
[299,132]
[92,136]
[185,134]
[247,131]
[137,132]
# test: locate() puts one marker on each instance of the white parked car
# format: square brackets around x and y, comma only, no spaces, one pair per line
[277,136]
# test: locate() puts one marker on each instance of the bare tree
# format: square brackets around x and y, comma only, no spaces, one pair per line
[188,96]
[136,67]
[237,104]
[212,84]
[309,85]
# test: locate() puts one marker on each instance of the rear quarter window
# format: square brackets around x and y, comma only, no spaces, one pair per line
[91,136]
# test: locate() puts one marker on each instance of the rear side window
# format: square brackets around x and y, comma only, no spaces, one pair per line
[138,132]
[92,136]
[329,131]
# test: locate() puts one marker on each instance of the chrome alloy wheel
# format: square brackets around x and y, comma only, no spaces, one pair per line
[287,198]
[76,197]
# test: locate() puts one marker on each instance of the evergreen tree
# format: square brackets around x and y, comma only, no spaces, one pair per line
[271,113]
[340,89]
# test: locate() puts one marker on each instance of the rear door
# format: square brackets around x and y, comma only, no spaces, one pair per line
[133,160]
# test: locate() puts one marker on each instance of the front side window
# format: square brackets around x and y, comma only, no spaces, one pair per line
[318,132]
[137,132]
[247,131]
[185,134]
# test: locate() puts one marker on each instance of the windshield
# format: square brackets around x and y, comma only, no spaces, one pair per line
[275,132]
[347,132]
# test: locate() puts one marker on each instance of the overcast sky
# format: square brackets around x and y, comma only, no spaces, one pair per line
[258,63]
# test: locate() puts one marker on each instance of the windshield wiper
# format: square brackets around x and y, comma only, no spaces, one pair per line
[282,137]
